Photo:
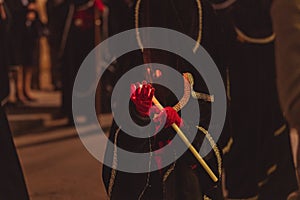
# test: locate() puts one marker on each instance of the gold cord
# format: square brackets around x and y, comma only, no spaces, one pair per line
[228,84]
[242,37]
[149,169]
[206,198]
[189,91]
[215,148]
[223,5]
[166,176]
[168,173]
[199,39]
[228,146]
[280,130]
[138,37]
[186,95]
[114,165]
[137,14]
[198,95]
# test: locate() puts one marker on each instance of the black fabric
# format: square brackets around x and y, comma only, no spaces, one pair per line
[121,16]
[253,17]
[79,44]
[4,91]
[12,185]
[57,12]
[22,38]
[255,113]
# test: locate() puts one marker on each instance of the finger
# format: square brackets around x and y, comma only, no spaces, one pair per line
[133,92]
[151,92]
[132,89]
[145,90]
[138,88]
[137,85]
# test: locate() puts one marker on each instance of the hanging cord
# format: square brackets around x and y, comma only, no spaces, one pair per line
[138,36]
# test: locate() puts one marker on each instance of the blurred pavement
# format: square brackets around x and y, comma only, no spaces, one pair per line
[55,163]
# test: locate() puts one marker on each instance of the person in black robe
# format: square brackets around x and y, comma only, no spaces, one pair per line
[57,11]
[77,42]
[185,178]
[12,184]
[259,164]
[25,30]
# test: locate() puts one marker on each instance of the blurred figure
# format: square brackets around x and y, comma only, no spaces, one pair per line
[23,43]
[77,41]
[286,21]
[57,11]
[256,168]
[12,185]
[184,178]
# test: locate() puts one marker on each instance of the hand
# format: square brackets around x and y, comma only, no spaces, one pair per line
[141,96]
[32,6]
[31,16]
[170,116]
[2,12]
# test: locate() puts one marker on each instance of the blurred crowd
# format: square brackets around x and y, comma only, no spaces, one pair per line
[23,28]
[70,31]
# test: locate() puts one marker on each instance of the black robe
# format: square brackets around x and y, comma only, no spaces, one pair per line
[184,181]
[57,12]
[12,185]
[23,39]
[260,161]
[79,42]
